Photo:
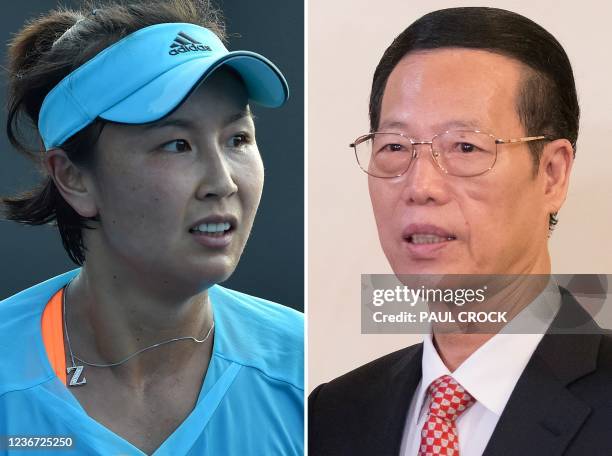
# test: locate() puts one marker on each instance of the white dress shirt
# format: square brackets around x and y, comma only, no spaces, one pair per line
[489,375]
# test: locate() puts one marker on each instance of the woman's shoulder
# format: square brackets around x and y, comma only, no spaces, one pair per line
[259,333]
[258,307]
[21,348]
[30,303]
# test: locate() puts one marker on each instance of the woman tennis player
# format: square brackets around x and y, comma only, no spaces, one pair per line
[154,179]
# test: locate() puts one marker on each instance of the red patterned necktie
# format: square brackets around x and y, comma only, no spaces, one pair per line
[448,401]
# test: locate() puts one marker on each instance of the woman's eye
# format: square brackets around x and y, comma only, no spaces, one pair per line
[177,145]
[239,140]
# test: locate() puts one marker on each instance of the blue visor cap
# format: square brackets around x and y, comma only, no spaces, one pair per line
[146,75]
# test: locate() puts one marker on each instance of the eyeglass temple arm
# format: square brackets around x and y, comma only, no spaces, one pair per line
[518,140]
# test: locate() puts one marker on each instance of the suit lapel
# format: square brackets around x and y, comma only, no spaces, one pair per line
[395,395]
[542,415]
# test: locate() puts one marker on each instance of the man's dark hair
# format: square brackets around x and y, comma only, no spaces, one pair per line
[40,56]
[547,103]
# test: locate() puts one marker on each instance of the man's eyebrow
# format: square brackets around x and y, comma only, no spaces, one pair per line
[392,125]
[471,123]
[440,128]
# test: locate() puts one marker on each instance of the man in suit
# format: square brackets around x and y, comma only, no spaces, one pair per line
[474,122]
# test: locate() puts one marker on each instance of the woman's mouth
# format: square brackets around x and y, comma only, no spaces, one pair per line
[214,231]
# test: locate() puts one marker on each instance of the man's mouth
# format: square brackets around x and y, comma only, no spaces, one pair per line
[426,233]
[425,238]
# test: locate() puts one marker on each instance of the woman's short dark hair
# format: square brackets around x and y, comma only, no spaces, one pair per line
[547,102]
[38,60]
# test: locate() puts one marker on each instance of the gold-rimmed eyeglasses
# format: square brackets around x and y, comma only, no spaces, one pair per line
[463,153]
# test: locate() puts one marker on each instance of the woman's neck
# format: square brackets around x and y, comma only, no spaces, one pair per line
[113,316]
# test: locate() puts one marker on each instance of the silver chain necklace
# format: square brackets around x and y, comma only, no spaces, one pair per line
[77,371]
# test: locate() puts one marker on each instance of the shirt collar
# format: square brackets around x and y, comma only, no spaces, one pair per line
[491,372]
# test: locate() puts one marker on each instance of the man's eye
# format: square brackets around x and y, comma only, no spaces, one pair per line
[393,148]
[177,145]
[466,147]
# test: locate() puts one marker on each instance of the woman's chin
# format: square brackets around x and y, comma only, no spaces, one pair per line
[215,272]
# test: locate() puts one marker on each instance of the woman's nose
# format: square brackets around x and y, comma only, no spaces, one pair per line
[216,179]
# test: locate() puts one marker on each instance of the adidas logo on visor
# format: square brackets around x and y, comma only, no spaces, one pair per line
[184,43]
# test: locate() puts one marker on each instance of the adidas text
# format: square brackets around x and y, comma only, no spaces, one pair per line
[189,48]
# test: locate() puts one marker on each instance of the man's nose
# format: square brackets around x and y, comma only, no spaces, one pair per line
[217,179]
[425,181]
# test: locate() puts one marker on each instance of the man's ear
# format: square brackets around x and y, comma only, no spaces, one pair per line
[555,166]
[71,182]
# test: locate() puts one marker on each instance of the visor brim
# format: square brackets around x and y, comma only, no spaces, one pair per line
[265,85]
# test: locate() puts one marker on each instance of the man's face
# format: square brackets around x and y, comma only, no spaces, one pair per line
[496,223]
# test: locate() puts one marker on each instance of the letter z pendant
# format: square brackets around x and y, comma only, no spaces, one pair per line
[74,380]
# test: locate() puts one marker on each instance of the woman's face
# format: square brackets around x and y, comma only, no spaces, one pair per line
[177,198]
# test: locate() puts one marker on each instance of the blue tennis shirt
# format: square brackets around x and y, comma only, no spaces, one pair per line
[251,401]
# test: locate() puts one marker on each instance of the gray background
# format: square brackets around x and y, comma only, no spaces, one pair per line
[272,266]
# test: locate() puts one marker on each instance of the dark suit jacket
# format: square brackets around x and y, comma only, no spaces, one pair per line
[561,405]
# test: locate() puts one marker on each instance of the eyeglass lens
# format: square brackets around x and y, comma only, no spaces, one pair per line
[460,153]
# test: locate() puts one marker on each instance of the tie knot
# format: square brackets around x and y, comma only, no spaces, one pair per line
[448,398]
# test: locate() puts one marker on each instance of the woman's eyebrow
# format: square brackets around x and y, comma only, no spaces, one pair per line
[191,125]
[246,112]
[171,122]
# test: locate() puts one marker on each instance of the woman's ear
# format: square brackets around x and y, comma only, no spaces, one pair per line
[72,183]
[556,164]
